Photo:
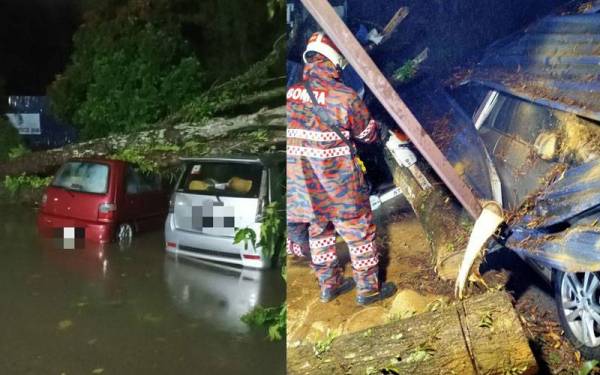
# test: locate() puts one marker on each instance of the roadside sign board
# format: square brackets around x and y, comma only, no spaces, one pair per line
[26,123]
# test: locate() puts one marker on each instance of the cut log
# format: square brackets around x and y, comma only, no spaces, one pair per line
[482,335]
[443,220]
[222,136]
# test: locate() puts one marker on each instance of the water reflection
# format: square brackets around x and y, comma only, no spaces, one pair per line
[217,293]
[127,311]
[89,261]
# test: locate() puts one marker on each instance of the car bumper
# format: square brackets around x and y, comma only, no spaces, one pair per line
[94,232]
[213,248]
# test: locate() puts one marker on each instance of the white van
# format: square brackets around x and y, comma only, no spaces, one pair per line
[213,197]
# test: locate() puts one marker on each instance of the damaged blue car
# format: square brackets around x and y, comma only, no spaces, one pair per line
[535,102]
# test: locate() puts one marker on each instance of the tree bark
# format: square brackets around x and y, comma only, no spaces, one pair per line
[270,98]
[482,335]
[221,135]
[444,221]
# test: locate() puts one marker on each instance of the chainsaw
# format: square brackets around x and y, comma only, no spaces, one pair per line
[399,147]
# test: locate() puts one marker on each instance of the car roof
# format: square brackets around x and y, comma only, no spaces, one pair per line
[98,160]
[265,159]
[553,63]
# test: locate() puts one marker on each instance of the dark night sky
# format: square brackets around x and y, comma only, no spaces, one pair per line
[35,35]
[35,42]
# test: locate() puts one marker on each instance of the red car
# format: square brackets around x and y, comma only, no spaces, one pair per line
[104,200]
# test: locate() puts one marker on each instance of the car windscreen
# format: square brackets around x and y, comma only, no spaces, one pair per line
[84,177]
[227,179]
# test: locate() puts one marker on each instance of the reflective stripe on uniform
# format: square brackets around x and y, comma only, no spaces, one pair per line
[317,152]
[294,249]
[324,258]
[365,133]
[359,250]
[323,242]
[363,264]
[317,136]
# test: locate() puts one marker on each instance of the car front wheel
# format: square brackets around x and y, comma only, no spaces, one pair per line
[578,302]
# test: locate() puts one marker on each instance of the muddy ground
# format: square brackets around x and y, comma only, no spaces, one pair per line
[408,259]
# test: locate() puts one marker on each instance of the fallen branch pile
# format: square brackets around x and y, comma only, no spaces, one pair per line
[213,136]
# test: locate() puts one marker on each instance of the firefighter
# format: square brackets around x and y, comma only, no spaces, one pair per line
[326,188]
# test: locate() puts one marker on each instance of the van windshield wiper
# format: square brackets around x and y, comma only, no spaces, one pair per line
[219,187]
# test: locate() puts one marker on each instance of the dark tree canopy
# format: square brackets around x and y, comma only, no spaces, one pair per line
[227,35]
[114,66]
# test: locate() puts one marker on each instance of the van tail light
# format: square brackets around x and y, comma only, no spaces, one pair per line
[172,204]
[106,211]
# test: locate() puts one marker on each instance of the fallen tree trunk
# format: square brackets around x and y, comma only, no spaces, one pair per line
[482,335]
[445,223]
[221,136]
[270,98]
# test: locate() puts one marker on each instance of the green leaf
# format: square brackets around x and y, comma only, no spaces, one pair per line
[246,235]
[273,318]
[14,184]
[272,232]
[587,367]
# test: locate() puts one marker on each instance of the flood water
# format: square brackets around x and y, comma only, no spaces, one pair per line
[126,311]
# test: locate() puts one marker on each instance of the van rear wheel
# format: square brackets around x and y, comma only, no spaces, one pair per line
[577,298]
[124,234]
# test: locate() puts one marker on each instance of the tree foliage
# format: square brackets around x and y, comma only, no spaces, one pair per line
[9,136]
[274,6]
[220,98]
[274,318]
[124,74]
[14,184]
[272,244]
[137,62]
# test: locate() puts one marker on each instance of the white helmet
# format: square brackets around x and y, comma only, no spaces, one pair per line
[321,43]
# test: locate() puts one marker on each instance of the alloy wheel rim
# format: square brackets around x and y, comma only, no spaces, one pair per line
[580,296]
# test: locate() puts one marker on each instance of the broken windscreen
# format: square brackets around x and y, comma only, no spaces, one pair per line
[222,178]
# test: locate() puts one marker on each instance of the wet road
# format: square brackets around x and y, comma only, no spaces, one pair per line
[126,311]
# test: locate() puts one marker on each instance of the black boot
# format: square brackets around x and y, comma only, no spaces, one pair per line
[330,294]
[386,290]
